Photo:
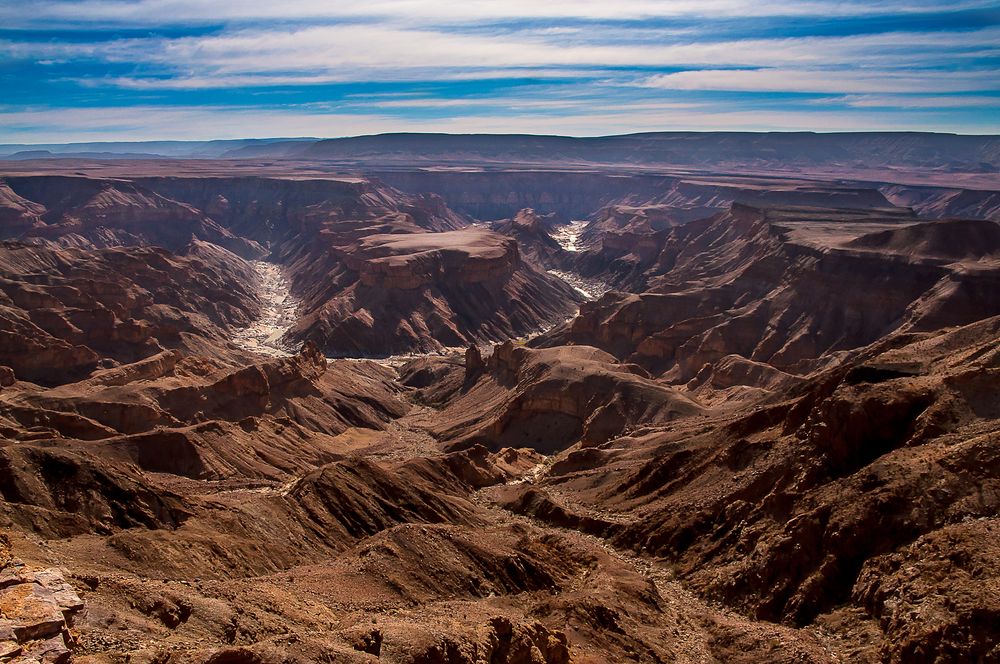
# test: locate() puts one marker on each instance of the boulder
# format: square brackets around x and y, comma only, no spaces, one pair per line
[38,607]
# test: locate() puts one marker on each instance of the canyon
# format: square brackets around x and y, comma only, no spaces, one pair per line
[508,399]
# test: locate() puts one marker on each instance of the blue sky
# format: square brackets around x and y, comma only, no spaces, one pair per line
[88,70]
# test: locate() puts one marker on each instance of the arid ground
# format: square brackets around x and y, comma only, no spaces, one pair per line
[504,399]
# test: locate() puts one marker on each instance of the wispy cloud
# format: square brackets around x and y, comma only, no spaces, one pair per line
[824,80]
[920,101]
[199,123]
[334,67]
[160,12]
[384,44]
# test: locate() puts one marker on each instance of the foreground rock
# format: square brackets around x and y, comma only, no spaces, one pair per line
[37,610]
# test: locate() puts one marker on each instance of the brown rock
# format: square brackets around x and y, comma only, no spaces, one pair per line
[474,364]
[549,399]
[36,614]
[48,651]
[9,650]
[781,444]
[7,630]
[105,213]
[6,557]
[787,286]
[416,291]
[57,590]
[533,234]
[114,305]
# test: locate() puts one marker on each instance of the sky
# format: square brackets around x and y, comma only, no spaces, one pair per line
[97,70]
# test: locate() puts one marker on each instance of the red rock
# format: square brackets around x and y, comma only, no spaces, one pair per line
[784,448]
[34,613]
[9,649]
[549,399]
[424,291]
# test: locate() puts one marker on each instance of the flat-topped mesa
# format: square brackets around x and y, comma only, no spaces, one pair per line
[951,240]
[645,246]
[404,292]
[411,261]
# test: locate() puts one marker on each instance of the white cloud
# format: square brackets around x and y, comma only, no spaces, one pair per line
[582,105]
[298,43]
[379,52]
[919,101]
[200,123]
[413,12]
[822,80]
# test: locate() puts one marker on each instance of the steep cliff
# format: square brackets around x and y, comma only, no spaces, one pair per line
[424,291]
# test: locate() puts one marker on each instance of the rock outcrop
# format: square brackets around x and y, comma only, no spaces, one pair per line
[408,292]
[37,610]
[533,233]
[818,501]
[97,213]
[548,400]
[946,202]
[413,261]
[193,418]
